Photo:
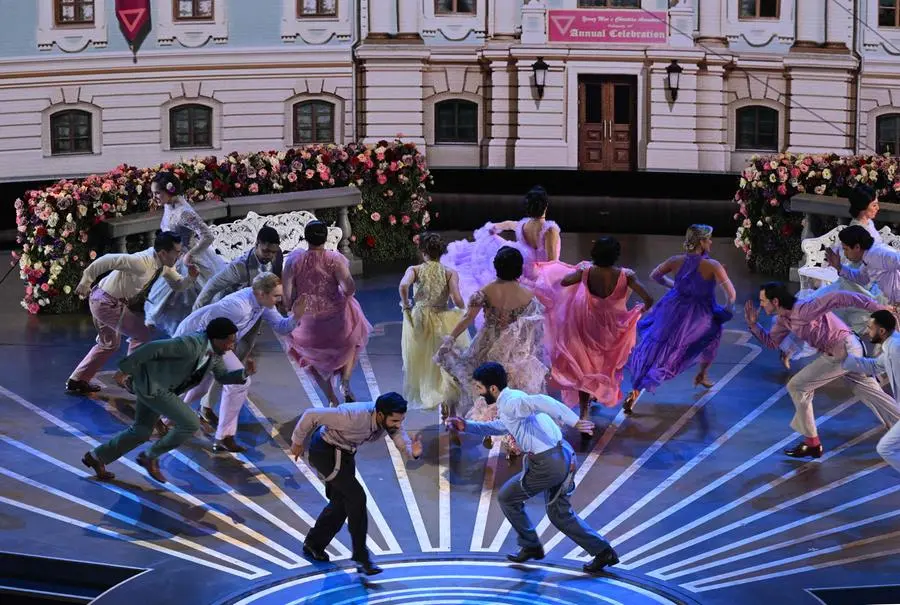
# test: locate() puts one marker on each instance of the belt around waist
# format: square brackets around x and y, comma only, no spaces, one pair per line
[559,445]
[347,451]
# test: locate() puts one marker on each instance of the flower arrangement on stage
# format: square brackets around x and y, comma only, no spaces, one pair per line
[768,232]
[55,224]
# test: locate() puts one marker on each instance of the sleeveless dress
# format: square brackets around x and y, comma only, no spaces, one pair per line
[425,384]
[474,261]
[511,337]
[333,329]
[590,338]
[165,308]
[683,328]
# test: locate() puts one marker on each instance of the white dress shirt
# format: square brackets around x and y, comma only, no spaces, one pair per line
[243,309]
[130,272]
[530,419]
[880,264]
[888,362]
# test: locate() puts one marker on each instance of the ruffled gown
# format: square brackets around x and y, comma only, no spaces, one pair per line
[511,337]
[683,328]
[425,384]
[590,338]
[165,308]
[333,329]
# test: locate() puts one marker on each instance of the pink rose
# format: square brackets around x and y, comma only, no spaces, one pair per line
[292,177]
[795,172]
[33,308]
[45,287]
[782,189]
[405,219]
[310,173]
[375,217]
[382,179]
[773,202]
[254,188]
[416,240]
[392,219]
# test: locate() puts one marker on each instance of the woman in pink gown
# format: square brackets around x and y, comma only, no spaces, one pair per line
[537,239]
[591,331]
[329,337]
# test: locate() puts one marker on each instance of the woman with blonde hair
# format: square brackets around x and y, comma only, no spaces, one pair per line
[685,327]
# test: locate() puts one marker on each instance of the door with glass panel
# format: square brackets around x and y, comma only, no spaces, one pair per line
[607,109]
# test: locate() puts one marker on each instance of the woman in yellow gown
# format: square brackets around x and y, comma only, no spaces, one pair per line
[426,321]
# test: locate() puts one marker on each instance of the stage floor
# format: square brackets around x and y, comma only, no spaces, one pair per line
[692,489]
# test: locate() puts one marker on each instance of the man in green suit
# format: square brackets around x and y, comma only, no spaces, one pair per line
[158,373]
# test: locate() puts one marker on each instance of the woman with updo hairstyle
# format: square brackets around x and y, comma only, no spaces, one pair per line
[591,331]
[536,238]
[864,208]
[166,308]
[512,334]
[330,335]
[685,326]
[427,320]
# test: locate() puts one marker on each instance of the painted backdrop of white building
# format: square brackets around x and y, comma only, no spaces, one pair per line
[456,76]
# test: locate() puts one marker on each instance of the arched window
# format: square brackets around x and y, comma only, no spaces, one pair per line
[190,126]
[887,134]
[313,122]
[455,121]
[70,132]
[757,128]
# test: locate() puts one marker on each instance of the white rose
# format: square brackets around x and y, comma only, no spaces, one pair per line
[67,289]
[759,223]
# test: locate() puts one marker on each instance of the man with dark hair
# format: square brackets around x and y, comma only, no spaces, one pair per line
[882,330]
[549,464]
[336,435]
[265,257]
[158,373]
[117,302]
[812,321]
[878,263]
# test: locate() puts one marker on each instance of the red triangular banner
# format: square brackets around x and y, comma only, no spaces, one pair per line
[131,18]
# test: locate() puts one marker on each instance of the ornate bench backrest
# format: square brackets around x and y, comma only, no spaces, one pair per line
[814,247]
[233,239]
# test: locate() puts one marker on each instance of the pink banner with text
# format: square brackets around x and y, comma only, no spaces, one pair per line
[603,25]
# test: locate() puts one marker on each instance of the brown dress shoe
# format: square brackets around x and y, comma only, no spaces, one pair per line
[98,467]
[228,444]
[81,387]
[161,428]
[208,416]
[152,467]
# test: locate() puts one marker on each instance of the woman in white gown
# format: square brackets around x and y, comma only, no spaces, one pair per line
[166,308]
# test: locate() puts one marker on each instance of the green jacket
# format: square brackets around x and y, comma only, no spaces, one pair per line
[168,365]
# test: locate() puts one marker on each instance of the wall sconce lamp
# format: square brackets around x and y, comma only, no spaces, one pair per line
[673,76]
[540,69]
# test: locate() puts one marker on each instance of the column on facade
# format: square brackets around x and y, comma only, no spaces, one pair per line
[409,19]
[810,21]
[500,111]
[673,125]
[711,22]
[712,121]
[393,81]
[839,24]
[542,124]
[380,18]
[504,15]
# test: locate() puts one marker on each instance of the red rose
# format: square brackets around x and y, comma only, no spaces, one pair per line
[787,230]
[370,241]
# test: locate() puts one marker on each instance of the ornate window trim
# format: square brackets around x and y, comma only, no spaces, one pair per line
[339,116]
[215,122]
[178,19]
[318,29]
[457,103]
[71,38]
[190,33]
[96,128]
[430,117]
[455,26]
[756,17]
[895,115]
[743,104]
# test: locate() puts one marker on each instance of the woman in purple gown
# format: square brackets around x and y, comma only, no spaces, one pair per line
[686,325]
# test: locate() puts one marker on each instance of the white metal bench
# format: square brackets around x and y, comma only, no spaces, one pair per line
[815,271]
[233,239]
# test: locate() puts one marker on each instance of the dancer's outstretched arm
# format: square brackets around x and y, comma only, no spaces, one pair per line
[660,274]
[638,288]
[552,244]
[455,294]
[724,281]
[346,280]
[409,278]
[769,338]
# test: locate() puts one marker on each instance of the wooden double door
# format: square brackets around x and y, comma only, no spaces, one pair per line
[607,122]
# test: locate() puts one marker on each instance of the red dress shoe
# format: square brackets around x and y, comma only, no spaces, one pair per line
[806,451]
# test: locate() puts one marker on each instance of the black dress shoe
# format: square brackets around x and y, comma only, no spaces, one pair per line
[368,568]
[81,387]
[208,416]
[228,444]
[607,557]
[315,554]
[806,451]
[527,553]
[98,467]
[152,466]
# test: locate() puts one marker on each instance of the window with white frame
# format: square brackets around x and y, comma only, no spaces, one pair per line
[71,25]
[74,12]
[759,9]
[190,126]
[887,133]
[316,8]
[609,3]
[888,13]
[455,121]
[71,132]
[454,7]
[313,122]
[191,10]
[756,128]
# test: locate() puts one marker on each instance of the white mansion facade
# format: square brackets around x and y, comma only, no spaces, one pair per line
[694,85]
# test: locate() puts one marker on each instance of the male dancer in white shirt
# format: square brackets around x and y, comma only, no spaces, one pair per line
[549,464]
[117,302]
[246,308]
[883,330]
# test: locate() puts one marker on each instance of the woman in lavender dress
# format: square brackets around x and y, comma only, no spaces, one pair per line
[685,327]
[165,308]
